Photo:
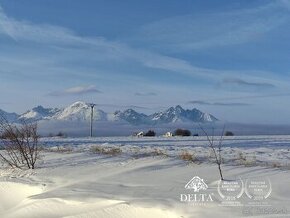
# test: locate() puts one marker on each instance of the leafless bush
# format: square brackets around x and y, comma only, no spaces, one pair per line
[106,151]
[246,160]
[112,151]
[251,161]
[185,155]
[241,158]
[59,149]
[158,152]
[97,149]
[138,153]
[215,147]
[20,146]
[276,165]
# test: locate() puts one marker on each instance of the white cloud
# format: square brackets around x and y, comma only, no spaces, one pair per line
[240,82]
[145,94]
[21,30]
[78,90]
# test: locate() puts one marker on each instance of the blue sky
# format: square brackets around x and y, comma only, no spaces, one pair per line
[229,58]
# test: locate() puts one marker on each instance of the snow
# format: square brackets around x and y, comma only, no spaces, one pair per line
[81,111]
[178,114]
[265,149]
[73,181]
[38,113]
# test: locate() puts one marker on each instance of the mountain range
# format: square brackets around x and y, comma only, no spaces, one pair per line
[80,111]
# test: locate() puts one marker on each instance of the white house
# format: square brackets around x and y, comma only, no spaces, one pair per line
[168,134]
[140,134]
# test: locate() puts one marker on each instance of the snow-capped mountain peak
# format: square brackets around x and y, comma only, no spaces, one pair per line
[178,114]
[38,113]
[133,117]
[81,111]
[178,109]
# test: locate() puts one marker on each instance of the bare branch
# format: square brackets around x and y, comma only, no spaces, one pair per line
[20,143]
[216,149]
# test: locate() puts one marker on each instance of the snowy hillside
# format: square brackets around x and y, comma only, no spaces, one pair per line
[146,177]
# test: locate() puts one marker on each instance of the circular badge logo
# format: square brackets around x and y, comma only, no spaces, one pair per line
[258,188]
[230,190]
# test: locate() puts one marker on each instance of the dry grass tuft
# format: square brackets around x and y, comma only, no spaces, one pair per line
[159,152]
[106,151]
[247,161]
[59,149]
[185,155]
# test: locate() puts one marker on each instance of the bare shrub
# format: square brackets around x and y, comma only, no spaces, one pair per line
[60,149]
[112,151]
[216,148]
[158,152]
[241,158]
[138,153]
[97,149]
[276,165]
[251,161]
[106,151]
[246,161]
[20,146]
[142,154]
[185,155]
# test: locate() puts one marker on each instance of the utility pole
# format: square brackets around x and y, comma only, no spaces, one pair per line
[92,115]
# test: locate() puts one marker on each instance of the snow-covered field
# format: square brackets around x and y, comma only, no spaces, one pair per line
[258,150]
[147,178]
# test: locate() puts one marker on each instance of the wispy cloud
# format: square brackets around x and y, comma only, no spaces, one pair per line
[78,90]
[218,103]
[209,30]
[116,106]
[136,107]
[98,49]
[285,3]
[145,94]
[22,30]
[44,51]
[240,82]
[101,48]
[245,97]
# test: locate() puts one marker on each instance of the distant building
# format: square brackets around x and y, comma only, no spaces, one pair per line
[168,134]
[140,134]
